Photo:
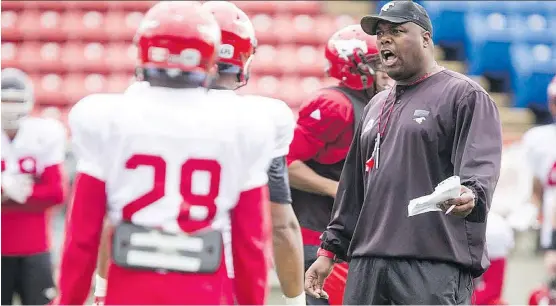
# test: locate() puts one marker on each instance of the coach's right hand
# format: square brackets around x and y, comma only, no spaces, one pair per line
[315,276]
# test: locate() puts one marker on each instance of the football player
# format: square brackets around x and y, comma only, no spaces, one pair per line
[236,52]
[540,145]
[33,181]
[488,287]
[177,170]
[322,138]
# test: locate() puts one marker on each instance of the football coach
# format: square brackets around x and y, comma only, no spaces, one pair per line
[433,124]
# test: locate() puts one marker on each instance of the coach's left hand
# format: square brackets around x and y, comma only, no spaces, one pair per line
[464,203]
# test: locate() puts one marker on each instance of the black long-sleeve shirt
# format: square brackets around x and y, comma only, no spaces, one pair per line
[445,125]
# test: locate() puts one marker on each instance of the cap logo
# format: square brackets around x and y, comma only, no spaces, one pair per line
[387,6]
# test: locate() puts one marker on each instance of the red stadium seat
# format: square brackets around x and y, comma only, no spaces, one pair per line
[9,54]
[49,27]
[266,61]
[141,6]
[33,56]
[89,5]
[303,27]
[282,29]
[45,5]
[324,28]
[259,7]
[287,57]
[11,25]
[49,89]
[290,92]
[117,83]
[12,5]
[268,86]
[264,28]
[300,7]
[85,57]
[311,61]
[77,86]
[121,57]
[83,25]
[122,25]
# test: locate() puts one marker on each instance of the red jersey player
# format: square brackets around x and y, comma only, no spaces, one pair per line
[176,169]
[33,181]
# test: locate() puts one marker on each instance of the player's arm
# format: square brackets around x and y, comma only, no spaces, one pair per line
[347,204]
[286,234]
[51,187]
[320,121]
[86,212]
[103,263]
[250,241]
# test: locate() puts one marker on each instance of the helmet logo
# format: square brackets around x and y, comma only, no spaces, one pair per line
[346,48]
[190,57]
[157,54]
[226,51]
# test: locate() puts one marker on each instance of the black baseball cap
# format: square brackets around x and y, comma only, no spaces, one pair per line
[398,12]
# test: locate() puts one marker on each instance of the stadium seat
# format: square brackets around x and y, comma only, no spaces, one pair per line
[11,30]
[490,37]
[36,57]
[121,57]
[77,86]
[121,25]
[9,54]
[534,68]
[49,89]
[258,7]
[290,91]
[448,18]
[44,5]
[311,61]
[85,57]
[83,25]
[88,5]
[117,83]
[12,5]
[264,28]
[266,61]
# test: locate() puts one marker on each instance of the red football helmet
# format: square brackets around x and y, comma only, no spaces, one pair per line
[238,38]
[352,57]
[178,36]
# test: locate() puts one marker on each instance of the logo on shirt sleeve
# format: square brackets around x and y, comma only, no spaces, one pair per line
[315,114]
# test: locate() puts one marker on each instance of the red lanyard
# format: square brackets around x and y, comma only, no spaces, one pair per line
[382,129]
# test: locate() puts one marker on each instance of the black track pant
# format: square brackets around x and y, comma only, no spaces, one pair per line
[30,277]
[389,281]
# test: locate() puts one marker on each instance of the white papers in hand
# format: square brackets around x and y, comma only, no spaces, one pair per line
[446,190]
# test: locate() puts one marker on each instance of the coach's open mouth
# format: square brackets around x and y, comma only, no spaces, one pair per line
[388,58]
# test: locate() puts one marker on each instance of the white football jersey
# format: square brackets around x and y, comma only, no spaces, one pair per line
[276,111]
[171,158]
[39,143]
[540,147]
[499,236]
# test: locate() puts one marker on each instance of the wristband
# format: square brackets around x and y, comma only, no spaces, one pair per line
[326,253]
[298,300]
[100,286]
